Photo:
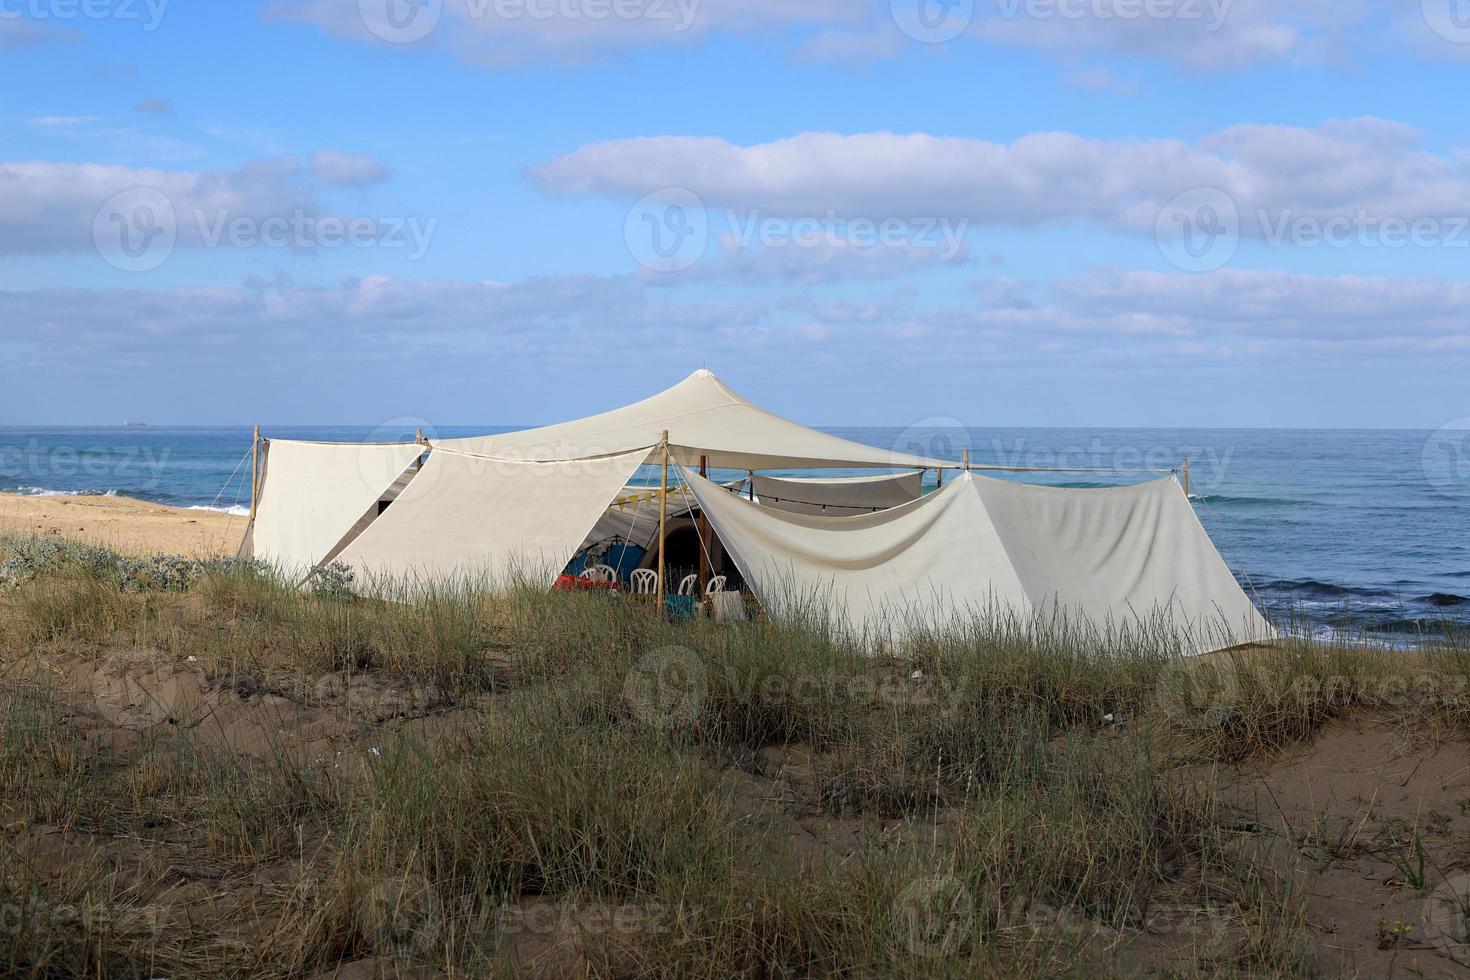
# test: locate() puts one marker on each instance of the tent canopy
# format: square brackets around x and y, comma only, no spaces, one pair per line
[703,418]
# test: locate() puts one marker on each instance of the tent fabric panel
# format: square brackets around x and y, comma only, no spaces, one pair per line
[1122,555]
[839,497]
[467,517]
[314,493]
[703,418]
[871,576]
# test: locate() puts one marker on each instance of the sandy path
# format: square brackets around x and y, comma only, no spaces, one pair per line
[127,525]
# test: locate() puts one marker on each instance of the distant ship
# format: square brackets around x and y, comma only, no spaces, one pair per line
[135,425]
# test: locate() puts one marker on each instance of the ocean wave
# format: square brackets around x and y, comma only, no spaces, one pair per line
[234,510]
[1314,587]
[43,492]
[1225,500]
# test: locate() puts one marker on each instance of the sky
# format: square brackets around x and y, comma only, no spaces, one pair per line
[1223,213]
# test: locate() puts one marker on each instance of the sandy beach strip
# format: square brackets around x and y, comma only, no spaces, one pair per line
[134,527]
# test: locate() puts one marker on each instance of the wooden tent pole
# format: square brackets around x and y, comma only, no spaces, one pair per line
[1185,470]
[940,484]
[750,476]
[967,461]
[704,568]
[254,472]
[418,437]
[663,518]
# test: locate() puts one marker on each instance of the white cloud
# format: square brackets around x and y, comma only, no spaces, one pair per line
[1100,80]
[51,207]
[1116,315]
[830,260]
[336,169]
[18,33]
[1337,168]
[513,33]
[1339,309]
[1199,34]
[62,122]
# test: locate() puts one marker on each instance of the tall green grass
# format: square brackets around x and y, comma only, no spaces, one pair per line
[624,796]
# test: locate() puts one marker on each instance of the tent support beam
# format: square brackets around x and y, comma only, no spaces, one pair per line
[704,566]
[663,518]
[1184,471]
[254,473]
[967,461]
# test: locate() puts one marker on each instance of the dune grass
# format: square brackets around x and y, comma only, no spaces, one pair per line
[593,790]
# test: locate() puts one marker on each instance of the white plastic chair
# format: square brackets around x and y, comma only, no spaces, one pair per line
[716,584]
[599,573]
[689,585]
[644,581]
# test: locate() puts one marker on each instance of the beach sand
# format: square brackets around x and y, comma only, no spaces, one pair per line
[133,527]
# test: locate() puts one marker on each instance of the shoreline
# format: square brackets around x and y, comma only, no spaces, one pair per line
[124,524]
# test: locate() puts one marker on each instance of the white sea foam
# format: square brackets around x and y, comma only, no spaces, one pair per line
[235,510]
[43,492]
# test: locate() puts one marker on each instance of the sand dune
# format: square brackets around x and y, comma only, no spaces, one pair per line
[122,523]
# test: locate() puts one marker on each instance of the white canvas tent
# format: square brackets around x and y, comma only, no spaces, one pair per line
[1117,559]
[703,418]
[524,503]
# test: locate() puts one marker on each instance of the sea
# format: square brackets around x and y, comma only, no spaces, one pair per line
[1364,534]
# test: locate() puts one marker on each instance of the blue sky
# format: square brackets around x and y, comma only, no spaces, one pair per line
[1002,212]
